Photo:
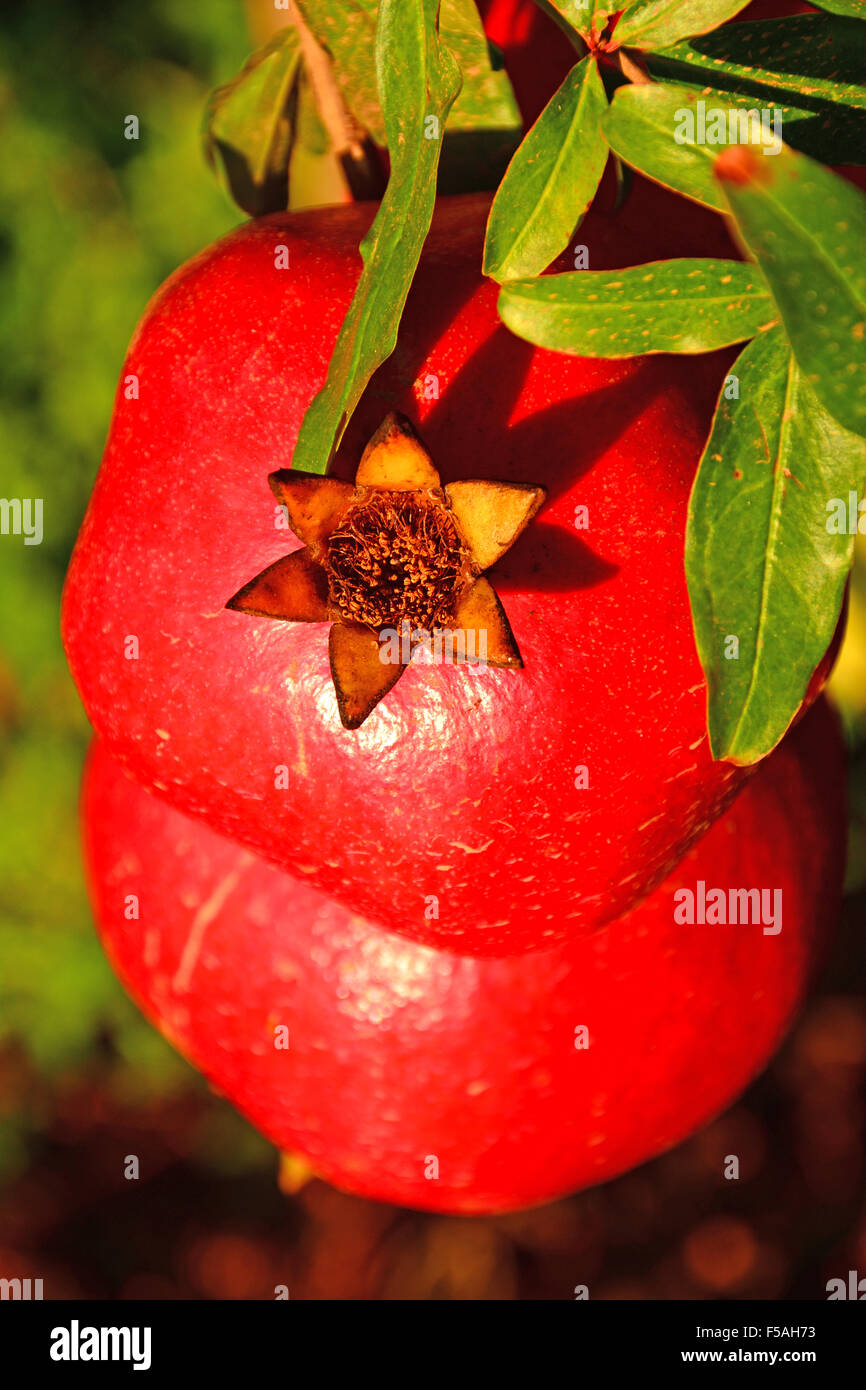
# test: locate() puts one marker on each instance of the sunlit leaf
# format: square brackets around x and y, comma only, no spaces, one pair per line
[551,180]
[646,23]
[672,133]
[766,560]
[806,228]
[249,122]
[666,306]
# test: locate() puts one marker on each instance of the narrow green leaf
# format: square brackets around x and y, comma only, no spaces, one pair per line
[766,554]
[484,125]
[646,22]
[551,180]
[806,228]
[666,306]
[346,29]
[248,126]
[418,80]
[674,133]
[811,67]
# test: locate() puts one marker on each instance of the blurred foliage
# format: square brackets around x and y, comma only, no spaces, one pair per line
[90,224]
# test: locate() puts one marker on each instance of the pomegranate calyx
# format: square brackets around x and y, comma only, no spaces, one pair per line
[395,565]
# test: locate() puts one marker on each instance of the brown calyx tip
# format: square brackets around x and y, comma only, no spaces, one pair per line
[394,426]
[396,459]
[293,589]
[315,505]
[360,676]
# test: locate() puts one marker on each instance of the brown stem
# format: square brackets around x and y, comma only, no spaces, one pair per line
[353,148]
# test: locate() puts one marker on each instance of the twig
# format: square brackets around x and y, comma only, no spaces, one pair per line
[353,148]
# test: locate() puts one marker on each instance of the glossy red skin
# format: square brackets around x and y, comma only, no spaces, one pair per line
[460,786]
[398,1052]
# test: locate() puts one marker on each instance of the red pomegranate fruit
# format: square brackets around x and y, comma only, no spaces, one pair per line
[481,810]
[469,1085]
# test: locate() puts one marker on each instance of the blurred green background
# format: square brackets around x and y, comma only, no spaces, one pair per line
[90,224]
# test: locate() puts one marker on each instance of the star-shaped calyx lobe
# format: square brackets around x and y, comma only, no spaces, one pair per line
[393,562]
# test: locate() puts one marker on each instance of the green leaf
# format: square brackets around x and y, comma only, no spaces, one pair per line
[763,560]
[248,126]
[672,133]
[666,306]
[585,15]
[485,98]
[811,67]
[551,180]
[806,228]
[811,56]
[646,22]
[850,7]
[346,29]
[484,125]
[418,80]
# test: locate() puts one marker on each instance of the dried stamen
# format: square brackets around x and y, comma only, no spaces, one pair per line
[396,557]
